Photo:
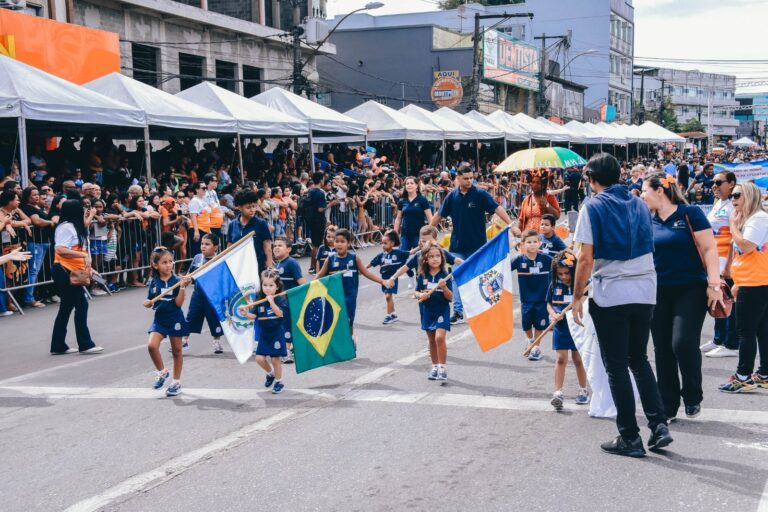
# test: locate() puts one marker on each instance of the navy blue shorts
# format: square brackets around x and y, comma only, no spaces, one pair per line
[562,339]
[390,290]
[199,310]
[432,320]
[170,325]
[272,344]
[535,316]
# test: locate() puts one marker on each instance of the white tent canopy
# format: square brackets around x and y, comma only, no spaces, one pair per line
[252,118]
[584,133]
[481,132]
[560,130]
[538,130]
[36,95]
[745,142]
[506,122]
[609,135]
[451,129]
[320,118]
[385,123]
[659,134]
[161,108]
[512,131]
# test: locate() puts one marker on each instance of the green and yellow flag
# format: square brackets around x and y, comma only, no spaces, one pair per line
[320,326]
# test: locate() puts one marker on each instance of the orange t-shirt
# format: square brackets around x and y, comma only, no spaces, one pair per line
[203,211]
[530,215]
[751,269]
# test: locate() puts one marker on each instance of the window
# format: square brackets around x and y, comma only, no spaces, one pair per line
[251,81]
[190,70]
[145,60]
[225,75]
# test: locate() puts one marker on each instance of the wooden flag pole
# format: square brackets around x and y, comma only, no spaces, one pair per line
[430,292]
[249,305]
[535,343]
[246,238]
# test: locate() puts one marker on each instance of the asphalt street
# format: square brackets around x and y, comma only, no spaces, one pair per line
[88,432]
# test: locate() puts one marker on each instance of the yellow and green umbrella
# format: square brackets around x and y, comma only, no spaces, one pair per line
[539,158]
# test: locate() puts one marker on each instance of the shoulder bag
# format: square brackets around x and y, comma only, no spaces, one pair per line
[717,310]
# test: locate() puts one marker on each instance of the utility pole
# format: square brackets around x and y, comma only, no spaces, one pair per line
[542,104]
[661,103]
[296,32]
[475,84]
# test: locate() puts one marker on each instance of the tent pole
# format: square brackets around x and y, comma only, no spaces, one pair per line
[443,151]
[148,155]
[311,152]
[477,155]
[530,143]
[505,149]
[405,141]
[23,158]
[240,157]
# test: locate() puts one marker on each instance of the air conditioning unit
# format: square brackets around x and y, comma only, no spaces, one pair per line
[315,30]
[14,5]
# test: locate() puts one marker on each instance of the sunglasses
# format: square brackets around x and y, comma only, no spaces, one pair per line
[717,183]
[180,196]
[735,195]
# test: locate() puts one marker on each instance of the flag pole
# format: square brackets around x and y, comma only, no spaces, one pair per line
[216,258]
[248,305]
[535,343]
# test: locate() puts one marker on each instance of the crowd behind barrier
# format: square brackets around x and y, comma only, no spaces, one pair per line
[135,216]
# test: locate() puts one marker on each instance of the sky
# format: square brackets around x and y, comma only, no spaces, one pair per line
[668,29]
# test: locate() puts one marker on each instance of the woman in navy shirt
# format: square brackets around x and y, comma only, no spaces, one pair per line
[413,212]
[686,287]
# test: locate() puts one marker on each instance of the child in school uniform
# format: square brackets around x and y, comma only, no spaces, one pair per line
[351,266]
[389,260]
[169,318]
[199,307]
[427,238]
[551,244]
[327,248]
[533,277]
[433,290]
[270,329]
[290,274]
[559,296]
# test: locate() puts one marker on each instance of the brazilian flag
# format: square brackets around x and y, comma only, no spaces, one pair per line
[320,330]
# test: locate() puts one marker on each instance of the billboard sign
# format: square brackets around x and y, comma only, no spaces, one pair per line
[510,61]
[71,52]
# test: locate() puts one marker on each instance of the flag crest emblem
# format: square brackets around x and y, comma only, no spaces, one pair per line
[319,316]
[491,284]
[243,296]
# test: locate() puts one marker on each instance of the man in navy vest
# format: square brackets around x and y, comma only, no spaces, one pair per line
[614,230]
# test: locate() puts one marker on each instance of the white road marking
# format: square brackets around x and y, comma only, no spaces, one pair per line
[349,393]
[763,505]
[184,462]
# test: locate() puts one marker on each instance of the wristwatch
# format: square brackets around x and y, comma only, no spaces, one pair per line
[714,287]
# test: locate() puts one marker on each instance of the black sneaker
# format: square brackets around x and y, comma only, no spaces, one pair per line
[619,446]
[311,271]
[692,411]
[457,318]
[660,437]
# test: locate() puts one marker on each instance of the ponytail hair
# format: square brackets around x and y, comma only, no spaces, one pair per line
[660,180]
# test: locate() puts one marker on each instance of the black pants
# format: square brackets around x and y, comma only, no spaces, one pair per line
[72,297]
[752,327]
[622,333]
[676,329]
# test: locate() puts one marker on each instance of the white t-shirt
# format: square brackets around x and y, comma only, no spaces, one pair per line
[756,229]
[198,206]
[66,236]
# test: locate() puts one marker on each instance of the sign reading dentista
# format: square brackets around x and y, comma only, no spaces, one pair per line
[510,61]
[72,52]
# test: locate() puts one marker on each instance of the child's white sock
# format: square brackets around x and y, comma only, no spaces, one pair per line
[270,374]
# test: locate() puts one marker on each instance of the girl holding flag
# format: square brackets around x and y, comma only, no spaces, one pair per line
[433,290]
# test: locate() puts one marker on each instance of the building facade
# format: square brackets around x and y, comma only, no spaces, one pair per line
[173,45]
[753,116]
[708,97]
[598,55]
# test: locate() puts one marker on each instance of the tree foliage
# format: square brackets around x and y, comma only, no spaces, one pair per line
[693,125]
[668,119]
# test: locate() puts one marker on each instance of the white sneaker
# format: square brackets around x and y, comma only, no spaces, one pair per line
[722,352]
[92,350]
[708,346]
[217,349]
[6,313]
[98,292]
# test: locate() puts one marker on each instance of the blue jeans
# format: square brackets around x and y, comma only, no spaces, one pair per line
[38,251]
[457,306]
[408,241]
[3,295]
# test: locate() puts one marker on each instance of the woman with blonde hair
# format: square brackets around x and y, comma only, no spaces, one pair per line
[749,271]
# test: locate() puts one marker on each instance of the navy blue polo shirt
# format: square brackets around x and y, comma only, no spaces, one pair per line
[290,272]
[533,276]
[675,256]
[706,186]
[551,245]
[390,262]
[412,212]
[467,212]
[317,199]
[260,230]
